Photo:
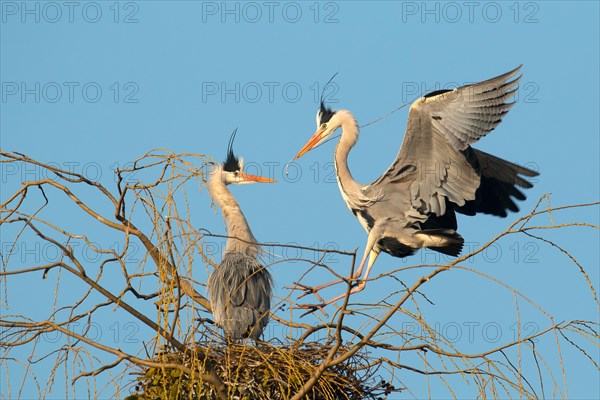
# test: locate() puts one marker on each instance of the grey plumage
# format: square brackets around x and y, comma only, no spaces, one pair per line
[436,145]
[240,294]
[240,288]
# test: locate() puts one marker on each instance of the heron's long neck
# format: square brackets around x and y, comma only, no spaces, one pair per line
[237,226]
[347,141]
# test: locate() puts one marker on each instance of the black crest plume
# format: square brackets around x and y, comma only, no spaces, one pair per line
[325,112]
[232,163]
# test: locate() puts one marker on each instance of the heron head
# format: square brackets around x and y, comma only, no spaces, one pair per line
[232,169]
[327,123]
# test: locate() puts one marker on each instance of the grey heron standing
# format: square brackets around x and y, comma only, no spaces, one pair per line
[240,289]
[435,174]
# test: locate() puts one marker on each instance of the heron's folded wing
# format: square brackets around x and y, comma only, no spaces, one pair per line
[259,288]
[231,277]
[247,281]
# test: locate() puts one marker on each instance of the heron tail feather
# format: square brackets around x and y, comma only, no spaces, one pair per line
[445,241]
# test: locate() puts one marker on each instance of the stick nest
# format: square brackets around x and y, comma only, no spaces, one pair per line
[263,371]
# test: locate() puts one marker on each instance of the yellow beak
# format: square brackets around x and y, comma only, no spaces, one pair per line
[256,178]
[312,142]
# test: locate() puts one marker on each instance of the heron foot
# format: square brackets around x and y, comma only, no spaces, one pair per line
[300,286]
[307,290]
[311,308]
[358,282]
[313,290]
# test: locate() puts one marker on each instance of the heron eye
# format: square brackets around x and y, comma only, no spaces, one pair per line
[323,125]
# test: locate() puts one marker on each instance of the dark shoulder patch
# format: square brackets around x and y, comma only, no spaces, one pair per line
[370,220]
[365,215]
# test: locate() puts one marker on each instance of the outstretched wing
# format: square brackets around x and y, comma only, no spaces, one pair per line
[500,182]
[432,166]
[466,114]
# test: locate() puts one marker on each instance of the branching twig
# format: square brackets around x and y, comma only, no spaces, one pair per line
[356,348]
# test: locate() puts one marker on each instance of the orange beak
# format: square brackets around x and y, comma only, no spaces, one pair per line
[312,142]
[256,178]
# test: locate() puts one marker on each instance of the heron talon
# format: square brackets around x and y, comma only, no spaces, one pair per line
[299,286]
[311,308]
[311,291]
[307,290]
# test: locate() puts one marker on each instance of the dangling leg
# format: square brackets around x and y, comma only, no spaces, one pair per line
[372,252]
[308,290]
[361,283]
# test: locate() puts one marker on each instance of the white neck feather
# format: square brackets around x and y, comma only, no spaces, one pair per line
[241,238]
[351,190]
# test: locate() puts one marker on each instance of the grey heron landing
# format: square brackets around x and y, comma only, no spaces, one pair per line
[240,289]
[436,173]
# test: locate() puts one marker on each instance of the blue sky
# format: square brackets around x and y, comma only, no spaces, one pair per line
[93,85]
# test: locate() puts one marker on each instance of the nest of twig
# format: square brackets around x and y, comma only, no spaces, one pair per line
[263,371]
